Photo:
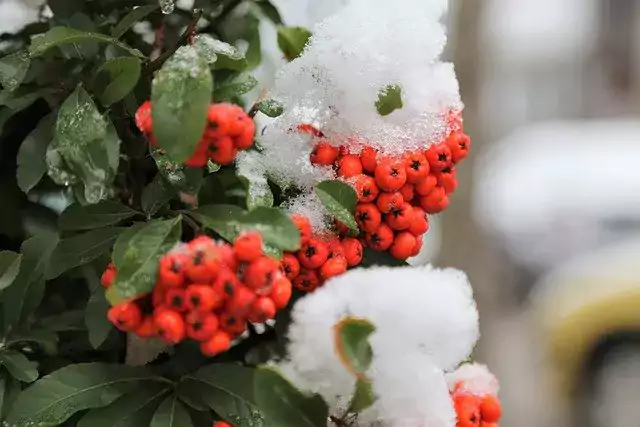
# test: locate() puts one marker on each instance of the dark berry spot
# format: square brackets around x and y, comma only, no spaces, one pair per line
[176,301]
[415,165]
[228,288]
[394,172]
[363,217]
[196,326]
[175,267]
[195,301]
[366,192]
[442,157]
[198,258]
[310,252]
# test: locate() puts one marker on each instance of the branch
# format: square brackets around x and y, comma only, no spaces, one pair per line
[254,108]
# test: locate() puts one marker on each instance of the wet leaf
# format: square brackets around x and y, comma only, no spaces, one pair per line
[31,157]
[13,69]
[340,200]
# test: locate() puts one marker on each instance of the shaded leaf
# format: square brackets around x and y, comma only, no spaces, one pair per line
[351,337]
[372,258]
[137,14]
[9,390]
[156,195]
[292,41]
[389,100]
[183,179]
[31,157]
[340,200]
[45,339]
[9,267]
[171,413]
[95,318]
[363,396]
[70,320]
[270,11]
[77,217]
[19,366]
[271,107]
[180,95]
[59,395]
[61,36]
[252,37]
[13,69]
[237,87]
[118,77]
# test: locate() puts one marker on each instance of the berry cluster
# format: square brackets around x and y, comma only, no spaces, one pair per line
[228,130]
[395,194]
[206,291]
[476,411]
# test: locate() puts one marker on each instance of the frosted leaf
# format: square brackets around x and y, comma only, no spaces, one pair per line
[208,47]
[251,168]
[167,6]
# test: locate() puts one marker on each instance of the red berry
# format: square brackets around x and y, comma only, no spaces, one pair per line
[202,298]
[201,326]
[262,309]
[240,303]
[459,144]
[388,201]
[307,280]
[381,239]
[333,267]
[248,246]
[447,180]
[435,202]
[400,217]
[403,245]
[171,270]
[418,247]
[368,157]
[310,129]
[419,223]
[407,192]
[147,328]
[157,296]
[467,410]
[144,121]
[366,188]
[222,150]
[219,343]
[368,217]
[244,141]
[313,254]
[353,251]
[204,263]
[171,327]
[108,276]
[490,409]
[304,226]
[349,166]
[324,154]
[221,424]
[126,316]
[426,186]
[233,324]
[259,275]
[228,256]
[200,157]
[417,167]
[281,292]
[341,229]
[335,249]
[175,299]
[439,157]
[390,175]
[226,283]
[290,265]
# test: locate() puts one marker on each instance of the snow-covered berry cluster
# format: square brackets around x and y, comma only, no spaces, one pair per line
[475,396]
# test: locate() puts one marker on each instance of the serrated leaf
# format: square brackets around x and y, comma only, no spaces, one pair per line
[363,396]
[139,265]
[351,337]
[61,36]
[86,148]
[222,54]
[237,87]
[271,108]
[31,157]
[180,96]
[389,100]
[130,410]
[156,195]
[171,413]
[95,318]
[19,366]
[103,214]
[340,200]
[137,14]
[24,296]
[9,268]
[9,390]
[81,249]
[13,69]
[57,396]
[283,405]
[292,41]
[118,77]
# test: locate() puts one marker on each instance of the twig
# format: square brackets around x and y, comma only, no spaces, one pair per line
[337,421]
[254,108]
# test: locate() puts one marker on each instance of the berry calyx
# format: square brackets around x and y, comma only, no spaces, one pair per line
[366,188]
[417,167]
[439,157]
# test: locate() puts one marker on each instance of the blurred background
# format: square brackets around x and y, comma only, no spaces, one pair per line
[547,219]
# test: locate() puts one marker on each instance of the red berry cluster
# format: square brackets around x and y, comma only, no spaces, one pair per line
[228,130]
[206,291]
[395,194]
[476,411]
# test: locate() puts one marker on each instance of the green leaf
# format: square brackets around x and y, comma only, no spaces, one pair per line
[24,296]
[9,390]
[122,244]
[130,410]
[183,179]
[258,190]
[9,268]
[389,100]
[292,41]
[13,69]
[156,195]
[118,78]
[31,158]
[46,339]
[139,266]
[171,413]
[237,87]
[85,149]
[19,366]
[270,11]
[271,108]
[81,249]
[180,95]
[284,405]
[340,200]
[352,344]
[61,36]
[363,396]
[376,258]
[223,219]
[77,217]
[137,14]
[224,55]
[95,317]
[252,37]
[57,396]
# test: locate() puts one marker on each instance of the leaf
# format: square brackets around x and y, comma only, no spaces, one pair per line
[85,149]
[19,366]
[363,396]
[292,41]
[270,11]
[139,265]
[95,317]
[237,87]
[271,108]
[137,14]
[13,69]
[9,390]
[61,36]
[46,339]
[351,337]
[122,244]
[372,258]
[340,200]
[31,158]
[183,179]
[284,405]
[77,217]
[9,267]
[57,396]
[130,410]
[258,191]
[156,195]
[223,219]
[81,249]
[118,77]
[24,296]
[171,413]
[224,55]
[252,37]
[180,96]
[389,100]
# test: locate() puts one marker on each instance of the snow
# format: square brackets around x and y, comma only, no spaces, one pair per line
[473,378]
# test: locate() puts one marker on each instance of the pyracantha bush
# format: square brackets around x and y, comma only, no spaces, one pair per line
[176,257]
